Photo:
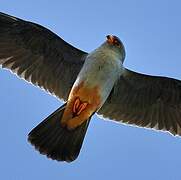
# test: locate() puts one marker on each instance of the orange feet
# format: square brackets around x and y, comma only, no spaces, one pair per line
[79,106]
[76,113]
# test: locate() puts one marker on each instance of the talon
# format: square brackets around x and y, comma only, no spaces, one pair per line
[79,106]
[82,107]
[76,105]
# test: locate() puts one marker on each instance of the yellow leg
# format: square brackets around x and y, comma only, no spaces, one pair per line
[82,107]
[75,113]
[76,105]
[83,116]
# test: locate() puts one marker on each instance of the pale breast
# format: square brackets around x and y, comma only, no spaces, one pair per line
[100,70]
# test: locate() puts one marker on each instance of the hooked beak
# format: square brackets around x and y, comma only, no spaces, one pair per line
[110,39]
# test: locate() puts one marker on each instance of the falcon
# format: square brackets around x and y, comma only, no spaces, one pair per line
[89,83]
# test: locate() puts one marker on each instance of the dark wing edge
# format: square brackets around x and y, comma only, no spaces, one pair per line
[145,101]
[38,55]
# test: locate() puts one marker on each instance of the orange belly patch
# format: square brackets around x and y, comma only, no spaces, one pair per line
[82,103]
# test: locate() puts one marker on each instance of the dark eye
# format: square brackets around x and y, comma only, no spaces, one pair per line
[116,42]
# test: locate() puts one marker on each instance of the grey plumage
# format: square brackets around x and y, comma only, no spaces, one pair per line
[147,101]
[38,55]
[44,59]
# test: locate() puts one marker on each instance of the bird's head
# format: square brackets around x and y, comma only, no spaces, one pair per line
[116,45]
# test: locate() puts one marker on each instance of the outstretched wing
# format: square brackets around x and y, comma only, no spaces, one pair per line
[146,101]
[38,55]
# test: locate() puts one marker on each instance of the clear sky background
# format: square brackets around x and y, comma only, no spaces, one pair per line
[151,32]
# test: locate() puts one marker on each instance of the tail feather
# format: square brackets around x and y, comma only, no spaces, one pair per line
[55,141]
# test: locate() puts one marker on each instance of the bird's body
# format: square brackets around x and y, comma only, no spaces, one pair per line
[102,68]
[94,83]
[89,83]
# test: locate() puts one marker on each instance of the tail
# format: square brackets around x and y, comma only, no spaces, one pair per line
[55,141]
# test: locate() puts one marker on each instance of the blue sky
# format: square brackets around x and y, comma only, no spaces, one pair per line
[151,32]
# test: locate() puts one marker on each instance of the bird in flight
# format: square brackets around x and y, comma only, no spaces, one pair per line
[89,83]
